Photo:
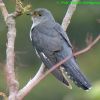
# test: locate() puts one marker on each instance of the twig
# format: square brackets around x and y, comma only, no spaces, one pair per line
[4,10]
[68,15]
[89,46]
[23,92]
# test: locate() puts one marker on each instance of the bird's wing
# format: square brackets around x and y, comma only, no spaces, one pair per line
[59,73]
[59,29]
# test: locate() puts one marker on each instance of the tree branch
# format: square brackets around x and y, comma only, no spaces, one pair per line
[68,15]
[10,74]
[9,68]
[3,10]
[32,83]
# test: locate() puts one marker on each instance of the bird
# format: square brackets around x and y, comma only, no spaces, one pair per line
[52,45]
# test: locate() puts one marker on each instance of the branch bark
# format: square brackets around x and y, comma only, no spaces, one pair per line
[10,74]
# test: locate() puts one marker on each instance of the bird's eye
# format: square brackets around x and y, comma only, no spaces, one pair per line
[39,14]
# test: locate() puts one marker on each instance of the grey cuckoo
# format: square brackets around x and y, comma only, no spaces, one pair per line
[52,45]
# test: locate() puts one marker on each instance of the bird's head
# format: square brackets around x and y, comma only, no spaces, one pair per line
[41,15]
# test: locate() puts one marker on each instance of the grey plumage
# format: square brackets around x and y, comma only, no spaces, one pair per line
[53,45]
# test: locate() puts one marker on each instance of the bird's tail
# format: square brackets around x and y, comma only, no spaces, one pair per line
[72,69]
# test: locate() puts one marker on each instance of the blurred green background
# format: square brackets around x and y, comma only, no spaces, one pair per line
[85,20]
